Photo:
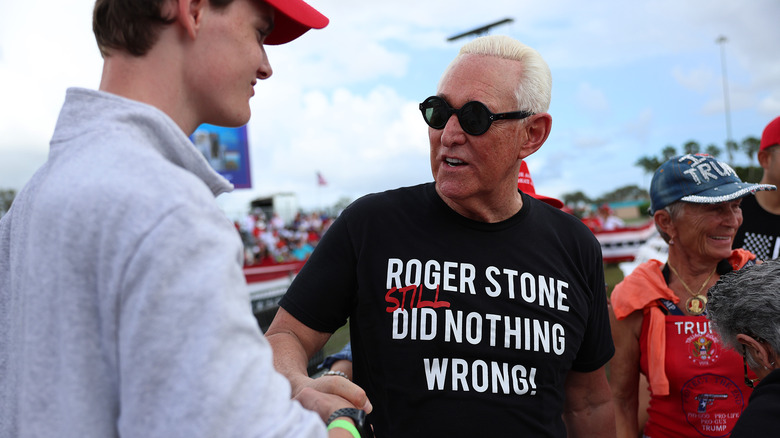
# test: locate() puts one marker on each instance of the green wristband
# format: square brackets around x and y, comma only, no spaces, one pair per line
[344,424]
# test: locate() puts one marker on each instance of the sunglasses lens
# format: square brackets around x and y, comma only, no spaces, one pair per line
[474,118]
[436,112]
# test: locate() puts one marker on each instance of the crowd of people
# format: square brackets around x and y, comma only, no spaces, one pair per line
[602,219]
[475,308]
[272,240]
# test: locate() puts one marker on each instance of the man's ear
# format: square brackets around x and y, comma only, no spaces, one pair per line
[760,351]
[763,158]
[190,15]
[537,129]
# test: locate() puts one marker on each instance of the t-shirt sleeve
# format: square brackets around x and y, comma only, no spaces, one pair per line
[323,293]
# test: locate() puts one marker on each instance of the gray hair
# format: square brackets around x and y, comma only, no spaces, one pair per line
[674,209]
[534,86]
[748,302]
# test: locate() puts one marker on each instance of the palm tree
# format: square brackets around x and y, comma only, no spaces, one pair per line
[648,164]
[576,198]
[714,150]
[731,147]
[668,152]
[750,146]
[691,147]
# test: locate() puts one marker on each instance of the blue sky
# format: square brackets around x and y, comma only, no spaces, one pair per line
[628,79]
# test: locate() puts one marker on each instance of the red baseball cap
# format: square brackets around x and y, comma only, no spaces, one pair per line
[292,19]
[526,185]
[771,135]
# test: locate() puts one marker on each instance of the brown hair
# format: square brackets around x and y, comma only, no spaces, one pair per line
[132,25]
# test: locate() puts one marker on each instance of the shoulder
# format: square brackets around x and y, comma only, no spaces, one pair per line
[750,203]
[561,226]
[741,258]
[540,211]
[640,288]
[118,162]
[392,202]
[399,195]
[126,186]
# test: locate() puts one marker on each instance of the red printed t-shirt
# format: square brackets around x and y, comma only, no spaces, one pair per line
[705,378]
[696,384]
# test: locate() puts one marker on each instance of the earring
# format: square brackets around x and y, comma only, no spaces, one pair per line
[671,241]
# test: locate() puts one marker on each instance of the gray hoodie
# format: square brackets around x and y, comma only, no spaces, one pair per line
[123,307]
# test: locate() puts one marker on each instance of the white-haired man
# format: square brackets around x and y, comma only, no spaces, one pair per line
[474,309]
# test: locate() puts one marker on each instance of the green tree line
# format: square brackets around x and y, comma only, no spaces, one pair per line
[749,146]
[649,163]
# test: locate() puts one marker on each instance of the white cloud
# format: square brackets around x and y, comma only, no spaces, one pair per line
[342,100]
[590,141]
[770,105]
[698,80]
[42,54]
[640,128]
[360,143]
[591,99]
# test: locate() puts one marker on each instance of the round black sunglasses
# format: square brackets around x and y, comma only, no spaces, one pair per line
[475,118]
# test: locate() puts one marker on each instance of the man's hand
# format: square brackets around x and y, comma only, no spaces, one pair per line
[293,343]
[328,393]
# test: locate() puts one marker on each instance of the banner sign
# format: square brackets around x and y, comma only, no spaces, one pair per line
[227,150]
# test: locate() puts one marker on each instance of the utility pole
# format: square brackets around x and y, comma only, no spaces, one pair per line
[729,143]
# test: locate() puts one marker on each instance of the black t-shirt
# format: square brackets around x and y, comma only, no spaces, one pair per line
[760,419]
[760,230]
[458,327]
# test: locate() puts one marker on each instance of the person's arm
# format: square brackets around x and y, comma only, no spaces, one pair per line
[293,343]
[340,362]
[192,358]
[588,410]
[339,433]
[624,373]
[343,366]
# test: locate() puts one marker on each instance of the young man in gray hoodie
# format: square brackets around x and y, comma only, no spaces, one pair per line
[123,307]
